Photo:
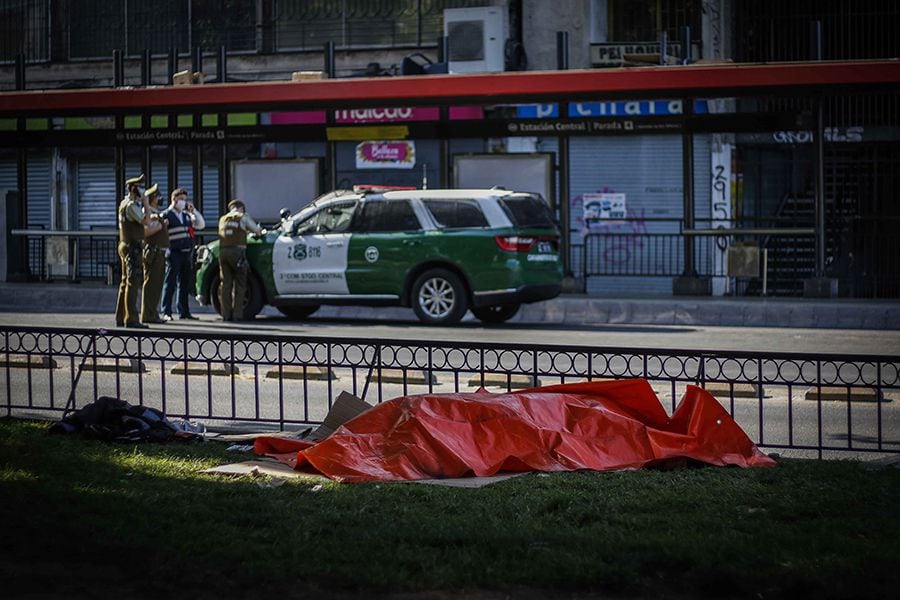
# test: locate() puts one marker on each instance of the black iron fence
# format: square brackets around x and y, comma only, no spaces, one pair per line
[75,255]
[809,403]
[243,26]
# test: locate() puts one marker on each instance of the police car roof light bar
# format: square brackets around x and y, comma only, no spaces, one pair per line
[371,189]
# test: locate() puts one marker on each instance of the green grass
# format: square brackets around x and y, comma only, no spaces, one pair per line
[83,518]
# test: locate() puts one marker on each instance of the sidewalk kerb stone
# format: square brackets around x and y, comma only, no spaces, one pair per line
[843,394]
[27,361]
[412,376]
[502,379]
[202,368]
[310,372]
[737,390]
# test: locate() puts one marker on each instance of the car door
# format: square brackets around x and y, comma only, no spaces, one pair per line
[387,241]
[310,259]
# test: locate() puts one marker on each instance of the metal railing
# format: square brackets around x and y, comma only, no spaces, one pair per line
[74,255]
[809,403]
[640,253]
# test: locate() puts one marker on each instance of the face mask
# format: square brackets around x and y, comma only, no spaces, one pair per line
[179,205]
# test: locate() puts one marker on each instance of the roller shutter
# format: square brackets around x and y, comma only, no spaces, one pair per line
[647,169]
[40,180]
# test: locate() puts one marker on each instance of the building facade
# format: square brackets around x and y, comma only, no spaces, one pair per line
[623,191]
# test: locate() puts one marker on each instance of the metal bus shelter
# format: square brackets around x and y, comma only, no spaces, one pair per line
[209,105]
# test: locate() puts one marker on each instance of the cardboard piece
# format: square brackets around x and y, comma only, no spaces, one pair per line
[272,468]
[465,482]
[345,407]
[187,78]
[251,436]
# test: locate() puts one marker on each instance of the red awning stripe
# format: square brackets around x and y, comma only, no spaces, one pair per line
[595,84]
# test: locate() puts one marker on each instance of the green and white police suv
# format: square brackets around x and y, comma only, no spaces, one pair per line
[439,251]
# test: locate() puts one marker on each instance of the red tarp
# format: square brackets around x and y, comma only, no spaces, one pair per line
[601,426]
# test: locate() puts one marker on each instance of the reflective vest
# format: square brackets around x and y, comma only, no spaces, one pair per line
[130,232]
[230,231]
[181,231]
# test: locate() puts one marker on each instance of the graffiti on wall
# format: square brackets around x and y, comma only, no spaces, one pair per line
[622,238]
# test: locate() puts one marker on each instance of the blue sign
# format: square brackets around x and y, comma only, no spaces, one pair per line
[537,111]
[626,108]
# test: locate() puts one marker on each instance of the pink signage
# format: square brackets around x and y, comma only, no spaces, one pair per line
[305,117]
[460,113]
[372,115]
[386,115]
[385,155]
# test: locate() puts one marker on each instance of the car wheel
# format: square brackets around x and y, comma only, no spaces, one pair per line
[498,313]
[215,295]
[254,301]
[439,297]
[297,313]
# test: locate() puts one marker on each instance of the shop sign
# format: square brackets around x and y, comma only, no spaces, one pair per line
[612,54]
[386,115]
[385,155]
[628,108]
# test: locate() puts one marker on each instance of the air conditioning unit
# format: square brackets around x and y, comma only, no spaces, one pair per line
[476,37]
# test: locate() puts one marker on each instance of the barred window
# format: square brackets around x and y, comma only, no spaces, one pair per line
[94,28]
[308,24]
[643,20]
[128,25]
[229,23]
[24,29]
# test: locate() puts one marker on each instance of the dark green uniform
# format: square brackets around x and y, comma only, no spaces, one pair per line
[155,247]
[233,267]
[131,240]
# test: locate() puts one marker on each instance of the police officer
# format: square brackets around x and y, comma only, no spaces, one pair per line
[183,220]
[233,266]
[133,214]
[156,245]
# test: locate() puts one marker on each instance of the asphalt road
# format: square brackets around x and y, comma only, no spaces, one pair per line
[394,323]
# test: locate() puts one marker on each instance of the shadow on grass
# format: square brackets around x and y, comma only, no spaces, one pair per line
[88,519]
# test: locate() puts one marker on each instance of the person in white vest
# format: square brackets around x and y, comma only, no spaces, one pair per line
[183,219]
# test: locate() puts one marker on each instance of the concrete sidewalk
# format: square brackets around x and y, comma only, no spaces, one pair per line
[568,309]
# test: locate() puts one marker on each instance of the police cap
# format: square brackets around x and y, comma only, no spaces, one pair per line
[236,205]
[153,190]
[139,180]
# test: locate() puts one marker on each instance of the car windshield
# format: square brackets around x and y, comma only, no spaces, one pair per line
[527,210]
[309,209]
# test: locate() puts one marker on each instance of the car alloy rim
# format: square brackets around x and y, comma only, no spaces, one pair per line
[436,297]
